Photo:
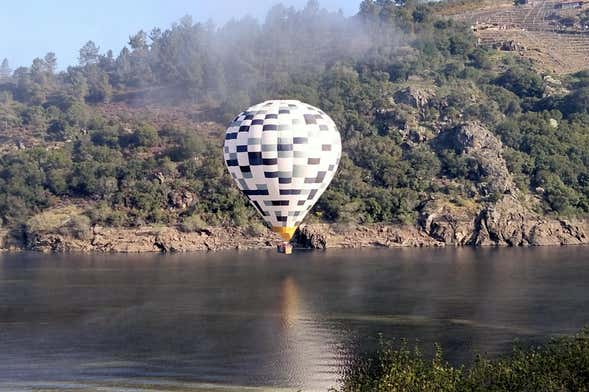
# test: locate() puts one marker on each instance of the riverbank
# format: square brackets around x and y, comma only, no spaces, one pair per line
[434,230]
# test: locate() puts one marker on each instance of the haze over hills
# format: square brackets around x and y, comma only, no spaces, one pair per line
[447,138]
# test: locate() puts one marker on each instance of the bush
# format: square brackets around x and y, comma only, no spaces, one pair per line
[560,365]
[103,214]
[67,221]
[193,223]
[145,136]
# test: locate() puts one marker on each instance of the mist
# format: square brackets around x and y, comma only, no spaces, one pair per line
[245,59]
[220,68]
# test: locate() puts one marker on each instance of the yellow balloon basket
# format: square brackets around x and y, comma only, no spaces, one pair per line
[286,233]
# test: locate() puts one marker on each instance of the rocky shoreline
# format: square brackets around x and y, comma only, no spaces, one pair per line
[504,223]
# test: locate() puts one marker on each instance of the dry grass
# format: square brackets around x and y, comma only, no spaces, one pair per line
[53,219]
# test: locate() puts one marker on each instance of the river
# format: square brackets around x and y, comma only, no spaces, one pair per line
[265,321]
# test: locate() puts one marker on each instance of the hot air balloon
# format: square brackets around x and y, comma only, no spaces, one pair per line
[282,154]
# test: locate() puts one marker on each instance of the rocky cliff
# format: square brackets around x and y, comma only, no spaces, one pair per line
[503,224]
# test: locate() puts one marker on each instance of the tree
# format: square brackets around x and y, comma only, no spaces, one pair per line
[369,9]
[145,136]
[138,41]
[50,62]
[522,82]
[89,53]
[155,34]
[140,61]
[123,66]
[77,83]
[5,70]
[576,102]
[99,88]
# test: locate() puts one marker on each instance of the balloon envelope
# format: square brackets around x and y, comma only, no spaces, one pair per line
[282,154]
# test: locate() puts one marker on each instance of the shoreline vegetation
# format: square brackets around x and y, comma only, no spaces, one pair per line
[562,364]
[445,141]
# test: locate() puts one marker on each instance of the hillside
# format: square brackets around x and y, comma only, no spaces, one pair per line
[554,34]
[446,141]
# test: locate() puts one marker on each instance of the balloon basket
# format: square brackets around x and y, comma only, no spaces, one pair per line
[285,248]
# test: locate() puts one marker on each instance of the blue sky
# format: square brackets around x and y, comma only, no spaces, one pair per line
[31,28]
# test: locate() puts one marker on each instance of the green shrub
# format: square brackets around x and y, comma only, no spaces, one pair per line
[193,223]
[145,136]
[68,221]
[103,214]
[560,365]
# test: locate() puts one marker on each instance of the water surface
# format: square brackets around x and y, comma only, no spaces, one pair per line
[230,320]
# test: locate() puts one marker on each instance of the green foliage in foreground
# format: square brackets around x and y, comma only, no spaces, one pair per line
[560,365]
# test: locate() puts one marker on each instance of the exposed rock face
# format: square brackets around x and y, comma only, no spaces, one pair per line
[450,225]
[307,237]
[170,239]
[504,224]
[509,46]
[321,236]
[508,223]
[3,239]
[57,243]
[415,97]
[181,199]
[486,149]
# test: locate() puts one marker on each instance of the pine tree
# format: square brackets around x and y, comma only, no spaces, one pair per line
[50,62]
[89,53]
[5,70]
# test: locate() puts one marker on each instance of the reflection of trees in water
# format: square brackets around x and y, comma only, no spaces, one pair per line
[258,318]
[467,299]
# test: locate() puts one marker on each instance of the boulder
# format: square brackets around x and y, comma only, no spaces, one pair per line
[310,237]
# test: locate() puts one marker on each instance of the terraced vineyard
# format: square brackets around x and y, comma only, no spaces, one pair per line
[531,30]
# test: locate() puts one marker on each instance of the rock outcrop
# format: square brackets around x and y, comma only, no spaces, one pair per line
[509,46]
[181,199]
[149,239]
[480,144]
[509,223]
[322,236]
[418,98]
[447,223]
[504,224]
[311,237]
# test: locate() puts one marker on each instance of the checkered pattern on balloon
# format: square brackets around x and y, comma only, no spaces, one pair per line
[282,155]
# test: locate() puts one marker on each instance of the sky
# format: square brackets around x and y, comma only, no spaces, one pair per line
[31,28]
